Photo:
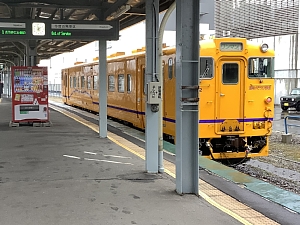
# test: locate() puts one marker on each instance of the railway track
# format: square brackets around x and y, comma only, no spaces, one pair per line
[276,170]
[284,159]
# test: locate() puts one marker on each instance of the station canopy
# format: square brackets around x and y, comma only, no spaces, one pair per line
[127,12]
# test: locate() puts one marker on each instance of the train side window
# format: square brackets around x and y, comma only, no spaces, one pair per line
[95,80]
[230,73]
[129,83]
[111,83]
[121,83]
[174,67]
[71,82]
[89,82]
[82,81]
[206,68]
[261,68]
[96,69]
[170,68]
[74,82]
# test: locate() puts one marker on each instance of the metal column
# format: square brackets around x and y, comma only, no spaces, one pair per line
[6,82]
[31,53]
[102,90]
[152,25]
[161,79]
[187,69]
[27,57]
[9,82]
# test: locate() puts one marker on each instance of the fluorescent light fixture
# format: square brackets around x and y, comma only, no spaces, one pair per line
[121,11]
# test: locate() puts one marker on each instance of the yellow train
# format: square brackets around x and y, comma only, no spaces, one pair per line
[236,89]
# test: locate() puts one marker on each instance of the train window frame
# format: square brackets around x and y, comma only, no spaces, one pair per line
[213,68]
[89,82]
[95,82]
[111,83]
[121,83]
[77,74]
[82,81]
[129,83]
[170,68]
[271,69]
[95,69]
[238,74]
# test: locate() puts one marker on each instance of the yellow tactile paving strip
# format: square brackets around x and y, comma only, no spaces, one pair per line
[227,204]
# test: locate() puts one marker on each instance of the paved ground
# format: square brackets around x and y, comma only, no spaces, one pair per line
[65,174]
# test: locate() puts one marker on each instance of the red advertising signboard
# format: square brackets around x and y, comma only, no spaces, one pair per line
[30,94]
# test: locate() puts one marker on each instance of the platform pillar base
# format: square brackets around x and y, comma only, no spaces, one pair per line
[286,138]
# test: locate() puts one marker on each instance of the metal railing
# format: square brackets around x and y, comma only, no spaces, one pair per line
[54,90]
[286,124]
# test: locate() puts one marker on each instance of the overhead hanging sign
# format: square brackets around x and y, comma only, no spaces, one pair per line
[11,29]
[59,30]
[89,30]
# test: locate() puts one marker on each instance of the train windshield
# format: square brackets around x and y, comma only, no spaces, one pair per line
[206,68]
[261,67]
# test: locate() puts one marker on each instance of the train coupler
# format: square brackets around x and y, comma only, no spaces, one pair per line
[248,148]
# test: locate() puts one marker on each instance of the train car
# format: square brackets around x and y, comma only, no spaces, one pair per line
[236,89]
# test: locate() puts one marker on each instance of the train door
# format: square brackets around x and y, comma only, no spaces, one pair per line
[64,88]
[140,101]
[67,85]
[230,95]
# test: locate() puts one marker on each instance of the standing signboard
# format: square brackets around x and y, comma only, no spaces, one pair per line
[30,94]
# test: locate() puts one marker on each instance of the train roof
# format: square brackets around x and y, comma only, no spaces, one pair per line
[204,44]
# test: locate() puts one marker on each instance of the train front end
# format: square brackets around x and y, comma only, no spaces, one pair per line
[236,100]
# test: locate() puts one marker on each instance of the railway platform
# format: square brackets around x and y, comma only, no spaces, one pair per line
[66,174]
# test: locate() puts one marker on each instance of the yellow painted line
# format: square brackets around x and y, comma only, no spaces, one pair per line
[229,212]
[212,202]
[123,146]
[170,173]
[169,169]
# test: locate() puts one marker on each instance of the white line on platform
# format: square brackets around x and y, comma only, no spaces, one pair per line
[102,160]
[71,156]
[117,156]
[91,153]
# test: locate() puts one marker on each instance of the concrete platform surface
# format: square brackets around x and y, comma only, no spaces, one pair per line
[66,174]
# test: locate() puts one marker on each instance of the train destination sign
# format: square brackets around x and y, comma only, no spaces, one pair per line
[59,29]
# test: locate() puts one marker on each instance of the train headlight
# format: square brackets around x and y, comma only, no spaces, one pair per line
[264,47]
[268,100]
[293,99]
[281,99]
